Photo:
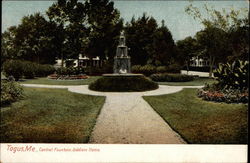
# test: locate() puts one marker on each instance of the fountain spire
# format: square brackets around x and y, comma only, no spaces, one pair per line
[122,63]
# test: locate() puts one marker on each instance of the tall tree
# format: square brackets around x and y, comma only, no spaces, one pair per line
[222,23]
[33,39]
[140,34]
[214,43]
[104,28]
[187,48]
[70,17]
[164,47]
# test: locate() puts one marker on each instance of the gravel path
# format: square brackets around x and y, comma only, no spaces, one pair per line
[127,119]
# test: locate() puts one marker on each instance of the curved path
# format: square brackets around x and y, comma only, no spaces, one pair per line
[126,118]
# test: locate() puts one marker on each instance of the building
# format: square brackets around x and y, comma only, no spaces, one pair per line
[199,62]
[83,62]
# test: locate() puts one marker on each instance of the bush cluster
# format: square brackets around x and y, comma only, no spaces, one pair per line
[214,93]
[123,84]
[165,77]
[11,91]
[233,75]
[70,71]
[26,69]
[148,70]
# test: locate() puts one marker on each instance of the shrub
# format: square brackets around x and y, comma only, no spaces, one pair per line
[70,71]
[146,70]
[10,92]
[165,77]
[26,69]
[95,70]
[161,69]
[123,84]
[13,68]
[29,69]
[44,70]
[174,68]
[233,75]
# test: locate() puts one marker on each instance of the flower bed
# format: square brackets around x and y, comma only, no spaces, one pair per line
[67,77]
[228,96]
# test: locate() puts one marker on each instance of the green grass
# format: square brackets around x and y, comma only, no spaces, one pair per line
[60,82]
[202,122]
[195,82]
[50,116]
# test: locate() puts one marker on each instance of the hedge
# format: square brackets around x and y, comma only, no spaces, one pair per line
[26,69]
[165,77]
[148,70]
[123,84]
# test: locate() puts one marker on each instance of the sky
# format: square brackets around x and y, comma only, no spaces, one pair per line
[172,12]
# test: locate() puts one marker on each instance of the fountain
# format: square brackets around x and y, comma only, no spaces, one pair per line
[122,60]
[122,80]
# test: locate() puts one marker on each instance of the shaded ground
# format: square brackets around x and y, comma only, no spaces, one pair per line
[202,122]
[50,116]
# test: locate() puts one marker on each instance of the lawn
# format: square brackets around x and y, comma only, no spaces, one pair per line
[202,122]
[50,116]
[60,82]
[195,82]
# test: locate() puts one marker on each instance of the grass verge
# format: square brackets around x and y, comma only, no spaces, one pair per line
[202,122]
[50,116]
[195,82]
[60,82]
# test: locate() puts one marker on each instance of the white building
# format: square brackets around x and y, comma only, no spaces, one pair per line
[83,62]
[199,62]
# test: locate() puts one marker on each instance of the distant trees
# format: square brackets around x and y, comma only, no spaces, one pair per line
[187,48]
[226,34]
[34,40]
[148,43]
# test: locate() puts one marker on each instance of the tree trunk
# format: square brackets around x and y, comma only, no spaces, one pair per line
[211,64]
[187,62]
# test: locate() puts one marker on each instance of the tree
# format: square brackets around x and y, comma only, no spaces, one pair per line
[164,47]
[104,27]
[139,34]
[224,27]
[187,48]
[70,17]
[32,40]
[213,42]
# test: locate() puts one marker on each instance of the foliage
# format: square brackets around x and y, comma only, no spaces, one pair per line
[13,68]
[226,34]
[139,35]
[34,39]
[187,49]
[10,92]
[165,77]
[148,70]
[123,84]
[145,70]
[70,71]
[26,69]
[233,75]
[104,26]
[164,48]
